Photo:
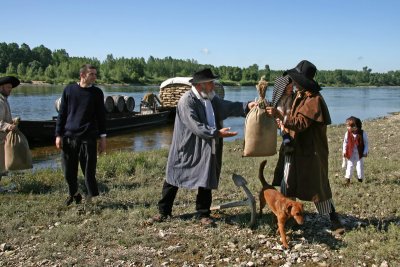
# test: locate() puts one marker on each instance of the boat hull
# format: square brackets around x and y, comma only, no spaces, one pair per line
[44,131]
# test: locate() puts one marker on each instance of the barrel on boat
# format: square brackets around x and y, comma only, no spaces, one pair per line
[109,104]
[129,103]
[119,103]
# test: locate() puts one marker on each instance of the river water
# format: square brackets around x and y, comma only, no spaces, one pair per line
[37,103]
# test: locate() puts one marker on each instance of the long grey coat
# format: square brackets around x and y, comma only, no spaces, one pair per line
[191,163]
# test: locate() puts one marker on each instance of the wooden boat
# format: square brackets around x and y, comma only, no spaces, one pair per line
[43,131]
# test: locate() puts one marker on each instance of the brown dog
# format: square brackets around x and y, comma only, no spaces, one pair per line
[283,207]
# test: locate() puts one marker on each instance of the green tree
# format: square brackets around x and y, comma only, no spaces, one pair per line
[50,72]
[59,55]
[365,74]
[251,73]
[26,54]
[267,72]
[21,70]
[11,69]
[42,55]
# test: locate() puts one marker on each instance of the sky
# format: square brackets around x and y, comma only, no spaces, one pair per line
[332,34]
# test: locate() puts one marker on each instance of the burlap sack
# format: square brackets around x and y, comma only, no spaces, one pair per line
[17,153]
[260,134]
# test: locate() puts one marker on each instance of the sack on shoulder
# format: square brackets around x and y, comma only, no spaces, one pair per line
[260,133]
[16,151]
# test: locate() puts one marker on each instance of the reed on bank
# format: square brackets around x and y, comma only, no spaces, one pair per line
[37,229]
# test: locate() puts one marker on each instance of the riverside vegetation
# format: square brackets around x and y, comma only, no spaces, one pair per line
[38,230]
[42,64]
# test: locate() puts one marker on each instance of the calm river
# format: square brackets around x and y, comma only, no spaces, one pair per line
[37,103]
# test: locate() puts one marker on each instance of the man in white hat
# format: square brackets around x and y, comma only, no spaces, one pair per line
[195,155]
[7,83]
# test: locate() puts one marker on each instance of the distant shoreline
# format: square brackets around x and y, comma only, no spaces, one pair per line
[41,83]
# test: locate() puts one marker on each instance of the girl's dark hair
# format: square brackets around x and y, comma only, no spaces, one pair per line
[354,121]
[358,123]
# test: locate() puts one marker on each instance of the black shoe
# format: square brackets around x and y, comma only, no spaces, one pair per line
[78,198]
[69,200]
[360,180]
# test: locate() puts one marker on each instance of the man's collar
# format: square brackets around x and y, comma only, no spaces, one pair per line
[90,85]
[196,93]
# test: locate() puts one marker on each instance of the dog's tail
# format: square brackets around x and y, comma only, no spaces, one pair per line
[261,173]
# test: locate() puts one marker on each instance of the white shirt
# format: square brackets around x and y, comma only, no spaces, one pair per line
[209,109]
[209,113]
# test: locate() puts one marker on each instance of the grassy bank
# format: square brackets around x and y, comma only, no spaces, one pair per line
[36,229]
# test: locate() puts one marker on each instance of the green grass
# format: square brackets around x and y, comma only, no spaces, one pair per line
[39,230]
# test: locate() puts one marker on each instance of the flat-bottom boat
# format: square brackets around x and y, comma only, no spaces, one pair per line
[43,131]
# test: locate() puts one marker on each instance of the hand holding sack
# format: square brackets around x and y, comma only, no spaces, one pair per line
[17,153]
[260,133]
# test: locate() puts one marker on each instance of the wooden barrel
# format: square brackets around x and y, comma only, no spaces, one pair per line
[129,103]
[57,104]
[119,103]
[109,104]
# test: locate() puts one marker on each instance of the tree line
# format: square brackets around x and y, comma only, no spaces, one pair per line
[42,64]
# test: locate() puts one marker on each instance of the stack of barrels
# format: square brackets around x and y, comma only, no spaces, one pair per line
[112,103]
[119,103]
[170,94]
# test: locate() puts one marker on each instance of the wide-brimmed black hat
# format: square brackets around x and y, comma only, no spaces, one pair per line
[9,79]
[203,76]
[303,74]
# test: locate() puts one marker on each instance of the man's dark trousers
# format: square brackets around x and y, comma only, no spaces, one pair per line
[203,200]
[83,151]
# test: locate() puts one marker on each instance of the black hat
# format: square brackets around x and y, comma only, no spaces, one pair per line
[9,79]
[203,76]
[304,74]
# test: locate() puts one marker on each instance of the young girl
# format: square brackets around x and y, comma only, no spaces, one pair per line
[355,148]
[282,100]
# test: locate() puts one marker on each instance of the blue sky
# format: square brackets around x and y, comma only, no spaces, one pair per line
[334,34]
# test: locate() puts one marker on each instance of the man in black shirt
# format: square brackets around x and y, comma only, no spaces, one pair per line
[81,120]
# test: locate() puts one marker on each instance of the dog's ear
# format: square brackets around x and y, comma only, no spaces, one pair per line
[288,208]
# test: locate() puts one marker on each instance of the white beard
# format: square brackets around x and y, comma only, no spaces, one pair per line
[210,95]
